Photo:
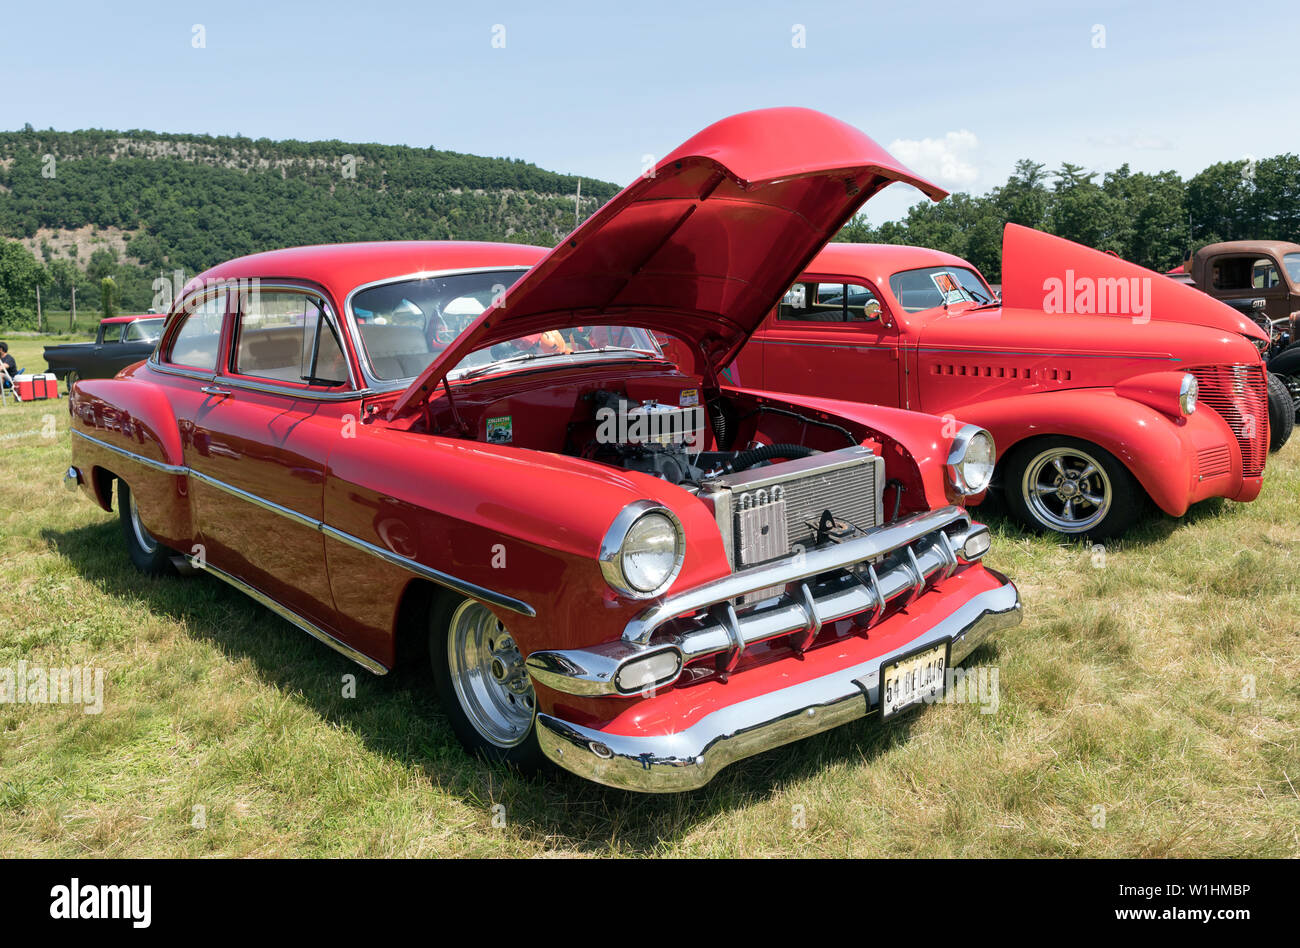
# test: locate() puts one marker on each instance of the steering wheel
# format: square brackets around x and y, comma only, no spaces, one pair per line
[442,334]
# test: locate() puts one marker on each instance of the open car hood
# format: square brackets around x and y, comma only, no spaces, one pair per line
[1051,274]
[702,247]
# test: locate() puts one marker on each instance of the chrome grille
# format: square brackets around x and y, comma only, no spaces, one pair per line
[1239,394]
[765,512]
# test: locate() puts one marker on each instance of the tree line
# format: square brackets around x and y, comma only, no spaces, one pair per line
[1155,220]
[190,201]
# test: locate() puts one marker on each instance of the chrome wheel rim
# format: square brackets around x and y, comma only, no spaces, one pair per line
[1067,490]
[142,536]
[489,676]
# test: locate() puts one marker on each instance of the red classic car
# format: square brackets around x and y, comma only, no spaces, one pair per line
[639,573]
[1102,383]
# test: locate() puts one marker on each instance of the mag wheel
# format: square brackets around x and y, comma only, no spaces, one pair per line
[148,555]
[1281,412]
[1071,487]
[484,686]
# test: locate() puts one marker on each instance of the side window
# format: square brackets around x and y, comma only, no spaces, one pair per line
[143,330]
[1264,274]
[112,333]
[284,336]
[196,342]
[828,303]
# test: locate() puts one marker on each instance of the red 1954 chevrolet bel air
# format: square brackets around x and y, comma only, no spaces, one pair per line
[1102,383]
[478,451]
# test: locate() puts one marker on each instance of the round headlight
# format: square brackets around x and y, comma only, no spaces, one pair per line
[1187,393]
[643,550]
[971,460]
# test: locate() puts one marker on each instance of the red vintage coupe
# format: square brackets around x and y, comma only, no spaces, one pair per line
[1103,383]
[478,451]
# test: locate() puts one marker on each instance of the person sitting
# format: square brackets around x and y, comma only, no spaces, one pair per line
[8,367]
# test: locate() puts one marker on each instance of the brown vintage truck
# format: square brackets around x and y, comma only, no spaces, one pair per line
[1261,278]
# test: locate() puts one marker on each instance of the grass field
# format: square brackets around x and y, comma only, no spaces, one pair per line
[1149,706]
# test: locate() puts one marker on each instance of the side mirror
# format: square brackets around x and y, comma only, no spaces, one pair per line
[870,312]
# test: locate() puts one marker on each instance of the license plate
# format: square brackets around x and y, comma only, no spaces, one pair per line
[913,679]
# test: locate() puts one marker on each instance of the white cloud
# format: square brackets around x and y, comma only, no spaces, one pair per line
[945,160]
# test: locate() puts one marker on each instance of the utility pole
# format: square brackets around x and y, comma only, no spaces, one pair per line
[577,202]
[72,316]
[40,324]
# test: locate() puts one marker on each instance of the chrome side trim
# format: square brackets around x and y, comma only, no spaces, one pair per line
[315,631]
[688,759]
[483,594]
[465,588]
[301,519]
[147,462]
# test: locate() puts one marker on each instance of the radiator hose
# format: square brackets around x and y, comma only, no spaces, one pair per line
[768,452]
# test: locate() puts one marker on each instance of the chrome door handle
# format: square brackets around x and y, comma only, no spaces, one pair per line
[216,391]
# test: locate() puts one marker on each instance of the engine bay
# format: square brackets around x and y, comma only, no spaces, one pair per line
[651,420]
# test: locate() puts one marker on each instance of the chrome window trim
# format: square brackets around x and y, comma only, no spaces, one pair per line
[446,580]
[373,382]
[168,336]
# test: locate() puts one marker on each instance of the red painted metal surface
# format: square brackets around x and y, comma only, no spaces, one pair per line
[1020,370]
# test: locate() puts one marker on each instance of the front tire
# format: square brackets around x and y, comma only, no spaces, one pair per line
[485,689]
[1281,412]
[1072,487]
[147,554]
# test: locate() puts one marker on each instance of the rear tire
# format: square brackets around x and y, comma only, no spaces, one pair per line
[1281,412]
[1071,487]
[71,378]
[147,554]
[480,677]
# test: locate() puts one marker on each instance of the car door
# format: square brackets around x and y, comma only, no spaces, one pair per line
[280,400]
[832,336]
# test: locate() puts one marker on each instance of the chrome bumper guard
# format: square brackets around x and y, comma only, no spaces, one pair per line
[858,577]
[686,760]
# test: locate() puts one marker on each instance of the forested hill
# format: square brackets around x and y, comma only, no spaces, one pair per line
[191,201]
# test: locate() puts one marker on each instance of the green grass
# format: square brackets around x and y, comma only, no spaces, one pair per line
[1122,689]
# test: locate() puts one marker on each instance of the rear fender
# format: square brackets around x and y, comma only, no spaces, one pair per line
[131,432]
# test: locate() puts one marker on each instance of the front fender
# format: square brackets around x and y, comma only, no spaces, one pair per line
[1158,450]
[915,444]
[524,524]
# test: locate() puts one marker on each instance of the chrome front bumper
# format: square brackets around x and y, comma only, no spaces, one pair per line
[689,759]
[858,577]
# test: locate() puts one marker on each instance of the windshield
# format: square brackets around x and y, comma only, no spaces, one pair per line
[1292,263]
[404,325]
[928,287]
[145,330]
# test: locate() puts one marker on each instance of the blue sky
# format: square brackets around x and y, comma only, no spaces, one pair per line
[957,90]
